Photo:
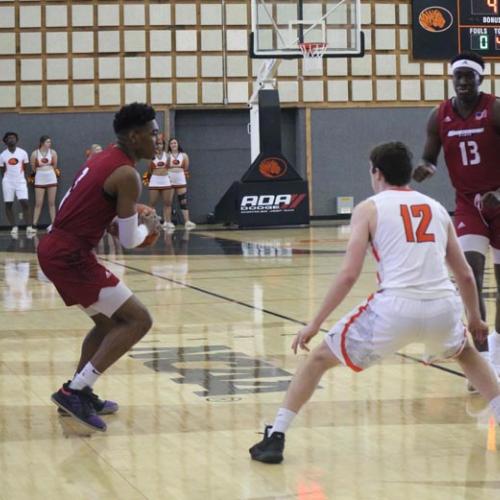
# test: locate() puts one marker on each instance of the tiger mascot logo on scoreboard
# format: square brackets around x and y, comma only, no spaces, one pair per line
[435,19]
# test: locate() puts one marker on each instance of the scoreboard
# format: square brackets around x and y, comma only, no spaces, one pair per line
[443,28]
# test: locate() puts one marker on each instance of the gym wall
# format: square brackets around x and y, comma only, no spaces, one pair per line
[65,66]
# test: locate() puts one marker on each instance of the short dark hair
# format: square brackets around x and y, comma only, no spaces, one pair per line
[393,159]
[133,115]
[7,135]
[471,56]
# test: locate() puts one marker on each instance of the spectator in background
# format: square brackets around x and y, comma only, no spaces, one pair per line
[13,163]
[178,171]
[45,170]
[158,182]
[94,149]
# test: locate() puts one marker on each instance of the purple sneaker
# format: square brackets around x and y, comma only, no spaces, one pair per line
[101,406]
[79,405]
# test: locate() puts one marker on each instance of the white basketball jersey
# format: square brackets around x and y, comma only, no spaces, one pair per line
[410,244]
[14,164]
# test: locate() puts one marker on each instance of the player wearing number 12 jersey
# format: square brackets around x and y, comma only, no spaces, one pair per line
[467,127]
[413,239]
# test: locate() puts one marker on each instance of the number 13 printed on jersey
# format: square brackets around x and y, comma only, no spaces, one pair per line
[470,153]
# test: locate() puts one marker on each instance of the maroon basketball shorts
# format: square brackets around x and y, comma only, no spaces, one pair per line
[477,227]
[79,277]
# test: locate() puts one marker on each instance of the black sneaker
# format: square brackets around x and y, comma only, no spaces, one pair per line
[270,449]
[79,405]
[101,406]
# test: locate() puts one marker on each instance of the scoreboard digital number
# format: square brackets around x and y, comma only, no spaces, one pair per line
[442,28]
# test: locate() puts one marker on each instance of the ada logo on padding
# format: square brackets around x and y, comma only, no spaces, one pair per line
[271,203]
[435,19]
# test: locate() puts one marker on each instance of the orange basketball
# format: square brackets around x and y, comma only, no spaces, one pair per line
[151,238]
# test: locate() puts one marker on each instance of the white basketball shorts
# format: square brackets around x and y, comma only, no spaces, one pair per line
[14,188]
[385,324]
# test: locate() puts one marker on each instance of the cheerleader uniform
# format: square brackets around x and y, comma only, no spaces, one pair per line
[45,175]
[176,170]
[159,182]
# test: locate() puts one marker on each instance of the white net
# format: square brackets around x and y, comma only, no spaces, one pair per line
[313,53]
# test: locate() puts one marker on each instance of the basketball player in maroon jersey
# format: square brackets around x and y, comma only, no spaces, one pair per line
[467,127]
[107,186]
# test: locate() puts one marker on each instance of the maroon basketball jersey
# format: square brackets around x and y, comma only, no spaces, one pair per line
[471,147]
[86,210]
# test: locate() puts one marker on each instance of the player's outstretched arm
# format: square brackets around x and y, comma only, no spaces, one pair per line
[363,215]
[427,166]
[466,284]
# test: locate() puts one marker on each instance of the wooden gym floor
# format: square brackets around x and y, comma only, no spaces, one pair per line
[197,390]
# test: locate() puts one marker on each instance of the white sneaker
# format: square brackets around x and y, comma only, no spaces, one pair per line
[30,230]
[470,388]
[168,225]
[189,225]
[49,227]
[494,348]
[14,231]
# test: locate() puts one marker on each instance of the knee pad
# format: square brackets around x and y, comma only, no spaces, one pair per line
[183,200]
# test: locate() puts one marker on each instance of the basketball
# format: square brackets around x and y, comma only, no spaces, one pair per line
[142,210]
[151,238]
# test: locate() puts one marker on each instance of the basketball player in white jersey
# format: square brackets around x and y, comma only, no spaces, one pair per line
[13,163]
[412,239]
[44,165]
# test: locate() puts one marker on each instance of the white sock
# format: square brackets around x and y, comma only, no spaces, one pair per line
[86,377]
[495,408]
[283,420]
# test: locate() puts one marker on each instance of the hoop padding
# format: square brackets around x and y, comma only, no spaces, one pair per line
[313,53]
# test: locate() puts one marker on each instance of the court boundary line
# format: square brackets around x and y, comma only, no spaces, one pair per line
[267,311]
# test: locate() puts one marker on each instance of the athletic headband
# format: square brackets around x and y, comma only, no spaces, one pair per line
[467,63]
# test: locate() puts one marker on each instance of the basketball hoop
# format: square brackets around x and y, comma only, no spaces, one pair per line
[313,53]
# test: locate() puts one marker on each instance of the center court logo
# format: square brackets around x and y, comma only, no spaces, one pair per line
[271,202]
[435,19]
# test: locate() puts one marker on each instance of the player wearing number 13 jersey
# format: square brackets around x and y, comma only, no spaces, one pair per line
[413,239]
[467,127]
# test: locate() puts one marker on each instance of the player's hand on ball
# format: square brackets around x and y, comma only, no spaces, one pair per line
[304,335]
[478,329]
[151,221]
[491,199]
[424,171]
